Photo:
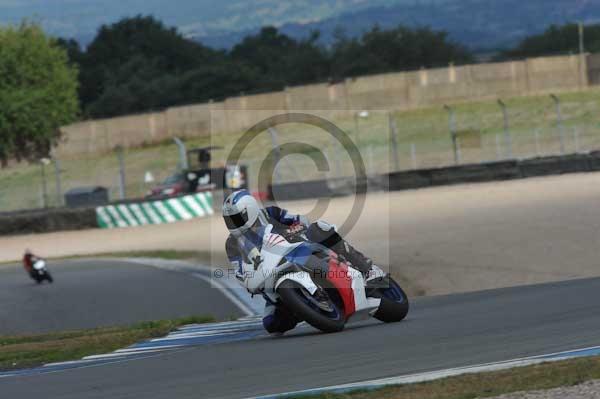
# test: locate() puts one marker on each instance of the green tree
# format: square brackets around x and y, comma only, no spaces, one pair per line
[379,51]
[277,60]
[131,60]
[555,40]
[38,92]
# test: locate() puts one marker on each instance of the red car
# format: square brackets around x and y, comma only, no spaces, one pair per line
[172,186]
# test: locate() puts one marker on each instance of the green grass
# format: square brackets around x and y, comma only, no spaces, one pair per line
[427,129]
[470,386]
[33,350]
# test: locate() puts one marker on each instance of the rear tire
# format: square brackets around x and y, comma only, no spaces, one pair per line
[294,299]
[394,302]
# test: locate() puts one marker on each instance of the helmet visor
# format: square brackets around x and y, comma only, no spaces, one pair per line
[236,221]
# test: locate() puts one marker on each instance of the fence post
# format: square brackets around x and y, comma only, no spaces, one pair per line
[370,161]
[121,158]
[334,156]
[394,134]
[507,138]
[356,130]
[43,163]
[561,127]
[452,128]
[576,139]
[498,151]
[57,173]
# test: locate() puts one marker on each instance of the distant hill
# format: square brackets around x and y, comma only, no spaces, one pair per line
[80,19]
[479,24]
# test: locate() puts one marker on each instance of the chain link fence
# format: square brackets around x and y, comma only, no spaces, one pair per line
[388,141]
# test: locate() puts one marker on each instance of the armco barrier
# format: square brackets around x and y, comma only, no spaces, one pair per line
[167,210]
[555,165]
[336,187]
[471,173]
[474,173]
[47,220]
[594,160]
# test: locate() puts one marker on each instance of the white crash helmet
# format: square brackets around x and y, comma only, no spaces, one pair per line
[241,211]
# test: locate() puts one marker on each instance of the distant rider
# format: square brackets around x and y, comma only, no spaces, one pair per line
[28,261]
[246,220]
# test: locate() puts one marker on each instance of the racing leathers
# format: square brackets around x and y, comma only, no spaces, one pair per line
[28,260]
[244,254]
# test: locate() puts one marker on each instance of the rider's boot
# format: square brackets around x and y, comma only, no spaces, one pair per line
[326,234]
[352,255]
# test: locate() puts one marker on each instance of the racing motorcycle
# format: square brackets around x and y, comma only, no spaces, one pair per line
[320,287]
[40,272]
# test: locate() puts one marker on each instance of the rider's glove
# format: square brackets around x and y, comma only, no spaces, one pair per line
[326,227]
[256,261]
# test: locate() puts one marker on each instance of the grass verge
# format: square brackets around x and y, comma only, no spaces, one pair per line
[539,377]
[169,254]
[17,352]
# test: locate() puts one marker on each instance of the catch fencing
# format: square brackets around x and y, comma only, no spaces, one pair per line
[389,141]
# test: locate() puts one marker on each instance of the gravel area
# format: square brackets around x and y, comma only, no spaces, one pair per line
[586,390]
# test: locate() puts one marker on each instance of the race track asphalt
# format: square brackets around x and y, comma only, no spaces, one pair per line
[440,332]
[88,294]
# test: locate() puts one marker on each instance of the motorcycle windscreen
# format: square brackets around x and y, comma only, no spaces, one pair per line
[39,265]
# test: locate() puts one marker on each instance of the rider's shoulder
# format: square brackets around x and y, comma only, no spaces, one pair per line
[274,211]
[231,243]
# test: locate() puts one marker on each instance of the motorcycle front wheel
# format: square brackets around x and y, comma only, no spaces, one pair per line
[394,301]
[320,312]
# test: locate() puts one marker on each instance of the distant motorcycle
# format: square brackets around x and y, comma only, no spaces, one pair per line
[40,272]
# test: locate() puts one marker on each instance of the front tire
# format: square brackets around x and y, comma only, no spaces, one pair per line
[298,300]
[394,301]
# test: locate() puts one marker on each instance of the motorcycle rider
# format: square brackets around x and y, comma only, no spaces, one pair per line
[28,260]
[245,220]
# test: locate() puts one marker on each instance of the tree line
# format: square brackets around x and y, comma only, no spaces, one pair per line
[138,64]
[556,40]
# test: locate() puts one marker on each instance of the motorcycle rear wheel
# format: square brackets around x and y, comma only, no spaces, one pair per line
[295,297]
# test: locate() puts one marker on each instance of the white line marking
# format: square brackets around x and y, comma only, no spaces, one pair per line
[130,352]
